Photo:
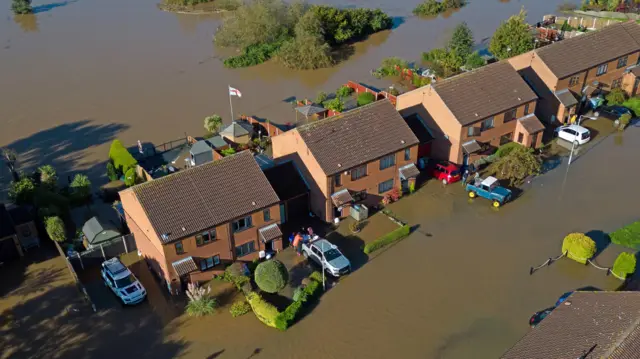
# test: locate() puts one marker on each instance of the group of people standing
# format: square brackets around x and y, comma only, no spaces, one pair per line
[303,236]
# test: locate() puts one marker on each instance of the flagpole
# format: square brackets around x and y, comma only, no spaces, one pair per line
[230,103]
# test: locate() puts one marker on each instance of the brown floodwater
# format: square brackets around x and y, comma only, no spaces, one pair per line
[79,73]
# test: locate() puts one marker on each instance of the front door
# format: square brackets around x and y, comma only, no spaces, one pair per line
[268,247]
[465,160]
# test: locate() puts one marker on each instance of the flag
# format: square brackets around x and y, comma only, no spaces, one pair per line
[234,92]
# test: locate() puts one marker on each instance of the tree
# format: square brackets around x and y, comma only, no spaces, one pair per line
[21,7]
[616,97]
[130,177]
[512,37]
[81,187]
[55,229]
[10,157]
[212,123]
[308,50]
[474,61]
[321,97]
[365,98]
[112,173]
[122,159]
[579,247]
[21,191]
[271,276]
[48,177]
[336,104]
[269,20]
[462,41]
[445,62]
[517,165]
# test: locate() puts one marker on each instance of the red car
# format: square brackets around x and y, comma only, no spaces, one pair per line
[446,172]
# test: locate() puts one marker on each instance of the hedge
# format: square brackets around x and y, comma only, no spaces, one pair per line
[628,236]
[122,159]
[624,265]
[265,311]
[579,247]
[291,313]
[507,148]
[387,239]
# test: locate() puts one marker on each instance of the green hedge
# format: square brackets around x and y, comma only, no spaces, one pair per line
[579,247]
[239,308]
[624,265]
[628,236]
[289,316]
[264,311]
[254,55]
[122,159]
[387,239]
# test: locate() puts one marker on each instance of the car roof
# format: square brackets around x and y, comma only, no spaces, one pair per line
[577,128]
[323,244]
[449,165]
[116,268]
[489,181]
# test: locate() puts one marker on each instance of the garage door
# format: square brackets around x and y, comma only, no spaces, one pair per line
[8,250]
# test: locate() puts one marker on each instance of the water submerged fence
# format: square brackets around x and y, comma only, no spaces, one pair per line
[589,261]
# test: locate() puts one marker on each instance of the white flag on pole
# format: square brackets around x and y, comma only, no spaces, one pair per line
[234,92]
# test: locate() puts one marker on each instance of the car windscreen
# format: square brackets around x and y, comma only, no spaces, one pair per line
[126,281]
[585,135]
[455,172]
[331,254]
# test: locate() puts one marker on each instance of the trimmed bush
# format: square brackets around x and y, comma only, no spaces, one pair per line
[239,308]
[264,311]
[317,276]
[313,288]
[624,265]
[301,296]
[122,159]
[624,121]
[286,318]
[617,96]
[579,247]
[365,98]
[633,104]
[387,239]
[271,276]
[628,236]
[507,148]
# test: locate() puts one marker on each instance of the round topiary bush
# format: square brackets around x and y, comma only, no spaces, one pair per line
[271,276]
[365,98]
[579,247]
[624,265]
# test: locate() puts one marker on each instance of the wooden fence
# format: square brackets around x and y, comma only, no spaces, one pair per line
[96,255]
[378,94]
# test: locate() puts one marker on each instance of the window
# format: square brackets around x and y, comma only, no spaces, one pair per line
[471,131]
[504,139]
[385,186]
[358,172]
[337,179]
[622,62]
[573,81]
[407,154]
[526,109]
[616,83]
[202,239]
[510,115]
[387,161]
[242,224]
[179,248]
[602,69]
[207,263]
[267,215]
[520,137]
[487,124]
[244,249]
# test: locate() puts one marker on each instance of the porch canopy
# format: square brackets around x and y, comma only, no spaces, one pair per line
[566,98]
[341,197]
[185,266]
[270,232]
[531,124]
[409,171]
[471,147]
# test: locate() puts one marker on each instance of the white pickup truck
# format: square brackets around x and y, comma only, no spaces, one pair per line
[327,255]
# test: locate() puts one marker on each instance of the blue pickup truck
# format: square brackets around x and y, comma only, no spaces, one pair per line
[488,188]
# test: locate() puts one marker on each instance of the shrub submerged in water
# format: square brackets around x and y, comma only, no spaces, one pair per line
[271,276]
[579,247]
[624,265]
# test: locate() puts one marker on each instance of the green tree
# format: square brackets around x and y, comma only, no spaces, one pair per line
[429,8]
[271,276]
[269,20]
[122,159]
[517,165]
[462,41]
[344,91]
[81,188]
[365,98]
[335,104]
[474,61]
[21,7]
[624,265]
[444,62]
[305,53]
[112,173]
[512,37]
[616,97]
[48,177]
[55,229]
[321,97]
[21,192]
[130,177]
[212,123]
[579,247]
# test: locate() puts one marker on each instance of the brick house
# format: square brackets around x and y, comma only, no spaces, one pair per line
[190,224]
[586,325]
[355,157]
[476,111]
[575,69]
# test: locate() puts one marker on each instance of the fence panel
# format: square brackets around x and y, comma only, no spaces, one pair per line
[96,255]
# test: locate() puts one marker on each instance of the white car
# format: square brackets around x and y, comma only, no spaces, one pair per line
[122,282]
[327,255]
[574,134]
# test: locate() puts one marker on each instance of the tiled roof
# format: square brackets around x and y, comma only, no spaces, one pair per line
[356,137]
[270,232]
[607,323]
[531,123]
[185,266]
[192,200]
[484,92]
[583,52]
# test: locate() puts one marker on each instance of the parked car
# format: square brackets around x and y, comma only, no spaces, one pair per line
[574,134]
[488,188]
[326,254]
[122,282]
[446,172]
[537,317]
[612,112]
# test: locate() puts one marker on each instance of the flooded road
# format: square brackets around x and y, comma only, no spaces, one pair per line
[79,73]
